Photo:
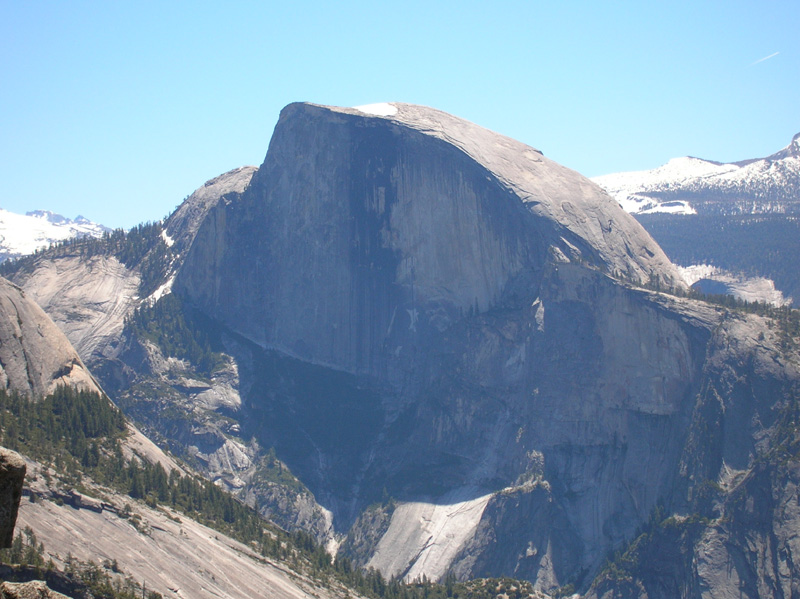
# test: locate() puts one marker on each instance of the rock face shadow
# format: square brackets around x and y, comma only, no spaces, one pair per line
[12,475]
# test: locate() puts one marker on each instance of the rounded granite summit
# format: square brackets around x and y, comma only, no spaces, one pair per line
[590,219]
[365,227]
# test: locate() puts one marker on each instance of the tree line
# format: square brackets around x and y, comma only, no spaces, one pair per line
[142,248]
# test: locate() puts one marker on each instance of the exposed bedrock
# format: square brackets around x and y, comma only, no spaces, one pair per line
[571,413]
[35,356]
[463,340]
[361,237]
[444,338]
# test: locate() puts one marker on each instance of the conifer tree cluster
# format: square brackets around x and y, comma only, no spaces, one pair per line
[756,245]
[80,434]
[142,248]
[69,424]
[178,332]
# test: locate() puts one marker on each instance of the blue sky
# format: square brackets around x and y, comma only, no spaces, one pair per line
[119,110]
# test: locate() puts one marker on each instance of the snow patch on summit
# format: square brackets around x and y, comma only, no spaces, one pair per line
[632,189]
[380,109]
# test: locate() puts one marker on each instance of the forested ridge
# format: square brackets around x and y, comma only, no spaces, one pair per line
[143,248]
[765,245]
[80,434]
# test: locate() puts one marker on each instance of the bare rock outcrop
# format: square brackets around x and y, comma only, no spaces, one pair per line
[182,224]
[12,475]
[361,234]
[36,589]
[88,298]
[465,314]
[473,291]
[168,552]
[35,356]
[438,324]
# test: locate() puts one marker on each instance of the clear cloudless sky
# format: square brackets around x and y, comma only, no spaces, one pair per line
[119,110]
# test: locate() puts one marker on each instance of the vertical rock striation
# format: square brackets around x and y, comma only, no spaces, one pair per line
[473,286]
[445,338]
[360,235]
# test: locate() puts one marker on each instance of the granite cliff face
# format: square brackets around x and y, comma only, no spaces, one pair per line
[182,225]
[439,356]
[525,407]
[728,528]
[360,235]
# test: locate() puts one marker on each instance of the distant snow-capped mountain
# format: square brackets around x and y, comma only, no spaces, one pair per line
[24,234]
[695,186]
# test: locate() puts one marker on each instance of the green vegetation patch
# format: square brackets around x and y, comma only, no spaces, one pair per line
[271,470]
[142,248]
[179,332]
[755,245]
[68,424]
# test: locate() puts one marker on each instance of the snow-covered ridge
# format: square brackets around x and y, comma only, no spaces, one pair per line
[24,234]
[690,185]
